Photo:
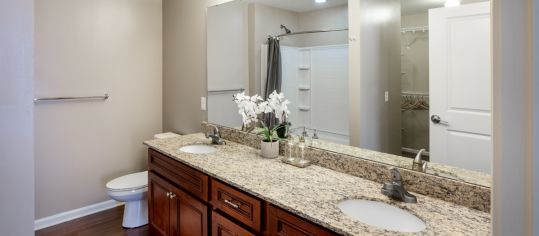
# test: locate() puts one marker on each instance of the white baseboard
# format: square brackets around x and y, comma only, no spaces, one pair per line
[74,214]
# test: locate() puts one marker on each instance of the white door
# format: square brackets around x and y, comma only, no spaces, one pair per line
[460,86]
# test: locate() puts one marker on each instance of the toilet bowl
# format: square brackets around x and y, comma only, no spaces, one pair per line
[131,189]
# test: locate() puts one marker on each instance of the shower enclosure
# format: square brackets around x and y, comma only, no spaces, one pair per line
[315,80]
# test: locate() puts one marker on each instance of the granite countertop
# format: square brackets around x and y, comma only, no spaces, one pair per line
[313,192]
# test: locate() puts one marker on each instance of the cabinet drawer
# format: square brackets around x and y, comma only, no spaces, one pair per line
[189,179]
[283,223]
[239,205]
[221,226]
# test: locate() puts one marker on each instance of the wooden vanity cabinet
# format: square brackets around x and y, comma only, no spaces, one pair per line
[221,226]
[180,199]
[173,212]
[281,223]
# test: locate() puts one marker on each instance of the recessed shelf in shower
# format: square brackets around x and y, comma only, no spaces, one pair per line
[304,88]
[304,108]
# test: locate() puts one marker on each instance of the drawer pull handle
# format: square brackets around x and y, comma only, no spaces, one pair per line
[230,203]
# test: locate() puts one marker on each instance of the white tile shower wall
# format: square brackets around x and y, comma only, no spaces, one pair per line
[304,77]
[329,90]
[291,60]
[322,102]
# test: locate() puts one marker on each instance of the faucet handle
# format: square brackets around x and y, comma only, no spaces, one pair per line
[304,133]
[315,135]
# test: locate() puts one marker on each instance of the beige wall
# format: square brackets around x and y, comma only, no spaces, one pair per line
[514,198]
[327,18]
[266,20]
[535,155]
[374,123]
[87,48]
[184,67]
[16,117]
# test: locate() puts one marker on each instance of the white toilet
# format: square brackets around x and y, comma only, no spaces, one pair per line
[131,189]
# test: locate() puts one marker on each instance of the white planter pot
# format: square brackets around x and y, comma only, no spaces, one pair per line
[269,149]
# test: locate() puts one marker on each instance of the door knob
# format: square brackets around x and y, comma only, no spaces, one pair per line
[436,119]
[168,194]
[172,195]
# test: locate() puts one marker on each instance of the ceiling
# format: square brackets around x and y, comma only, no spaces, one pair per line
[410,7]
[300,5]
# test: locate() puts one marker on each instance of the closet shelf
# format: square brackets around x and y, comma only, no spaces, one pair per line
[419,29]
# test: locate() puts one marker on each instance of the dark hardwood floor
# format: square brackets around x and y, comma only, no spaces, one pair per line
[104,223]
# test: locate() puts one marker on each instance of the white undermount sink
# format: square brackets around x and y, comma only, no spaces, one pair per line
[382,215]
[198,149]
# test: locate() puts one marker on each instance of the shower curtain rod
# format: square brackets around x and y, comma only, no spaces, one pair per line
[312,32]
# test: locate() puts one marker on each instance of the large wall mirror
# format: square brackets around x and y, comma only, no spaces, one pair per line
[413,85]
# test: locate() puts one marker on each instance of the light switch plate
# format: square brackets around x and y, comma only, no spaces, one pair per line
[387,96]
[203,103]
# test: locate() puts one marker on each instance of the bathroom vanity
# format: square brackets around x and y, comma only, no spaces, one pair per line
[233,191]
[185,201]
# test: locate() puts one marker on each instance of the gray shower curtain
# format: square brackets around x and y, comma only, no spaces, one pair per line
[273,75]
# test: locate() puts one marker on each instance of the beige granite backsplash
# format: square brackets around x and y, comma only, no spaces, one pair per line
[450,190]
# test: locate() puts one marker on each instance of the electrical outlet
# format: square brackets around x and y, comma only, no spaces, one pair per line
[203,103]
[387,96]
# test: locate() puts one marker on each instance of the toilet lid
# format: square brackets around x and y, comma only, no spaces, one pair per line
[129,182]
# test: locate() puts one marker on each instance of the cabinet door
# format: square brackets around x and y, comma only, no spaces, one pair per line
[189,217]
[221,226]
[159,205]
[283,223]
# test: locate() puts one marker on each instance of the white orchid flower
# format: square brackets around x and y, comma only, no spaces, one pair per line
[256,98]
[263,107]
[250,107]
